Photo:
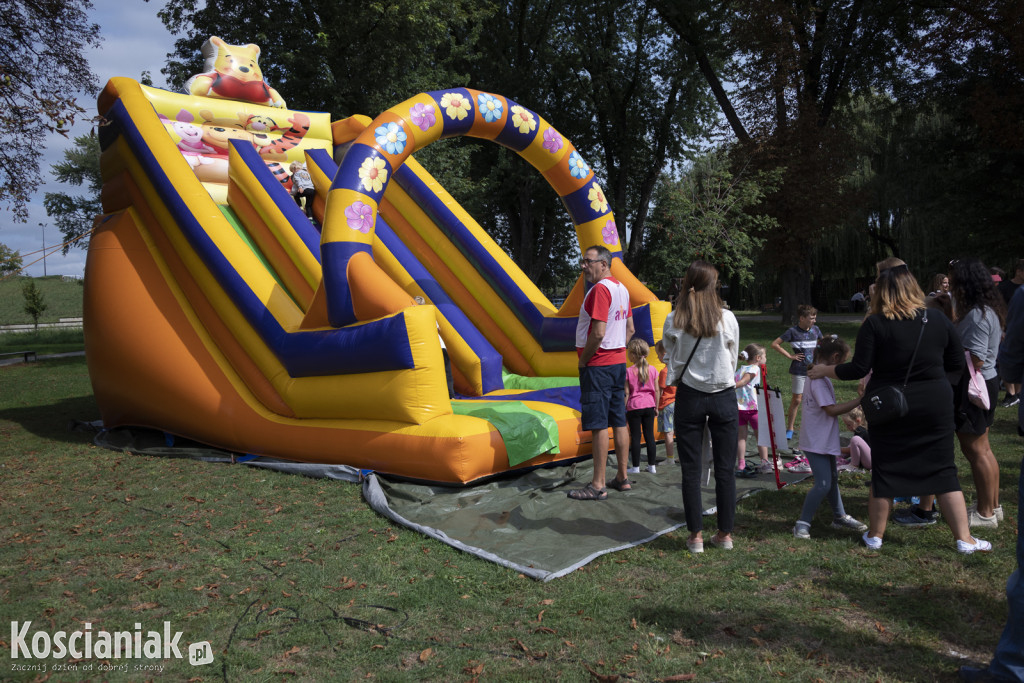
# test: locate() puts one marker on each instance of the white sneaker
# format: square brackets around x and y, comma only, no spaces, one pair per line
[653,469]
[979,546]
[874,543]
[975,518]
[632,470]
[801,530]
[848,522]
[802,468]
[997,511]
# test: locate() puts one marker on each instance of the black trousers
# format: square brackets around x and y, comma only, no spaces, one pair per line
[639,420]
[308,194]
[718,412]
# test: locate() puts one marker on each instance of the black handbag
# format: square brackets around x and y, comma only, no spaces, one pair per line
[888,403]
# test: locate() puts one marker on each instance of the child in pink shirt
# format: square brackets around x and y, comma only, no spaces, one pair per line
[641,404]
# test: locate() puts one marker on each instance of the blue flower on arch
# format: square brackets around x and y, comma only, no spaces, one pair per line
[391,137]
[577,167]
[490,106]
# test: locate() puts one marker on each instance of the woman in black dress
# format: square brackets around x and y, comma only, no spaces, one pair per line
[913,455]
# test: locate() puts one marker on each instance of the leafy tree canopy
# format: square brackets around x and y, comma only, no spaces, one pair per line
[606,73]
[41,65]
[709,213]
[74,214]
[10,260]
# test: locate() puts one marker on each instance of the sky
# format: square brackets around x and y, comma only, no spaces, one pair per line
[134,40]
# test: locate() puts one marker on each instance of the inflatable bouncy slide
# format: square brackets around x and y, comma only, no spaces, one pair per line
[216,310]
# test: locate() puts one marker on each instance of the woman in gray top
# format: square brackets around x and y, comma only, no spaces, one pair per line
[979,316]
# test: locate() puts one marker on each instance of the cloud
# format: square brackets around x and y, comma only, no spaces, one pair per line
[134,40]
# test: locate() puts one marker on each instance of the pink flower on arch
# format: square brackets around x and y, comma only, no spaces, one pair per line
[359,216]
[610,234]
[423,116]
[552,140]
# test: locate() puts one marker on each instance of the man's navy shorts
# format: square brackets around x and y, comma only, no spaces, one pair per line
[603,395]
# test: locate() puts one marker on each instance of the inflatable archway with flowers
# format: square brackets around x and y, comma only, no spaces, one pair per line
[376,154]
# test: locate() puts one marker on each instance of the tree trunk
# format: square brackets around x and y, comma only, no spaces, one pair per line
[796,290]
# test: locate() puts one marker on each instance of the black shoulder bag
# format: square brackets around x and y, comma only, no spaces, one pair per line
[889,403]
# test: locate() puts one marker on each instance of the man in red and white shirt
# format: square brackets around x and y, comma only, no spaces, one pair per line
[604,329]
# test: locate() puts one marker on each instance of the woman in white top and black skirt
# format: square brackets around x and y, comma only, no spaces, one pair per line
[701,340]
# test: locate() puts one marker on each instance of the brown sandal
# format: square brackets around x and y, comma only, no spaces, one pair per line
[620,485]
[588,492]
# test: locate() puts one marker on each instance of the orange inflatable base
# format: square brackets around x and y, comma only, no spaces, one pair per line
[153,366]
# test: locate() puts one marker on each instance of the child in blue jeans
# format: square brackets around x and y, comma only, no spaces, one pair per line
[819,440]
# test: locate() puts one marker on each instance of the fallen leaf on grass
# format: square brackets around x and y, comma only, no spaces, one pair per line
[540,616]
[545,629]
[295,650]
[426,654]
[602,678]
[679,639]
[878,625]
[144,605]
[632,623]
[473,670]
[758,642]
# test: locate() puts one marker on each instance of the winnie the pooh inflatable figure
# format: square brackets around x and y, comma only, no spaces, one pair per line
[232,72]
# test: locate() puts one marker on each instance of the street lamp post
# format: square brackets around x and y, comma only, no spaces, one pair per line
[43,226]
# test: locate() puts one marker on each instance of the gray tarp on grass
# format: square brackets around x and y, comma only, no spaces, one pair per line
[523,522]
[528,524]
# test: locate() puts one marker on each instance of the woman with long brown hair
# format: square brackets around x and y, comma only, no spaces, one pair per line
[701,340]
[913,455]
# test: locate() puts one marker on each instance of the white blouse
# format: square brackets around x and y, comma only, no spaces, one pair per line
[713,365]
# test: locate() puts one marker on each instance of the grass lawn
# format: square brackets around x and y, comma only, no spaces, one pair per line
[63,299]
[292,578]
[43,341]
